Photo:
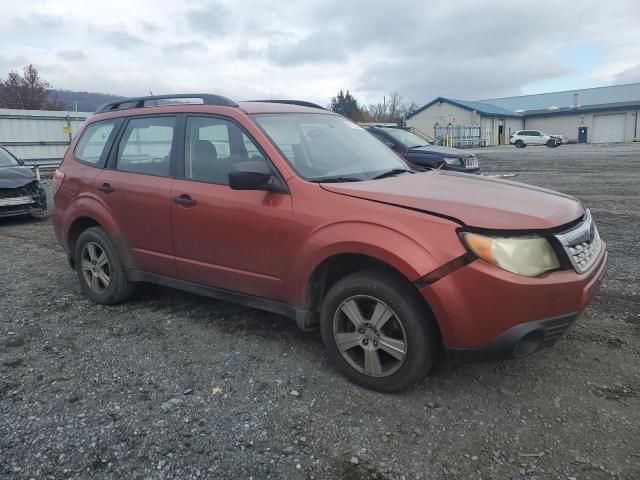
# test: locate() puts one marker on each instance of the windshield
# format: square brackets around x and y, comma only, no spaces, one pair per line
[320,146]
[7,160]
[407,139]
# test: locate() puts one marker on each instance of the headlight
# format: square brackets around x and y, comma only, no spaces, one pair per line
[530,256]
[452,161]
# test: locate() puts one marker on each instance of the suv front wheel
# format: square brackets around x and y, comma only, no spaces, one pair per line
[378,331]
[100,268]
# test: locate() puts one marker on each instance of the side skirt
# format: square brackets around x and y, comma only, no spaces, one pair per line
[303,318]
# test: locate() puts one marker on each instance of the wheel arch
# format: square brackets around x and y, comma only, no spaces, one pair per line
[88,213]
[79,225]
[338,266]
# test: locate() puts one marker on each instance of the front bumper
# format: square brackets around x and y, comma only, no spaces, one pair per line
[517,342]
[488,313]
[23,204]
[461,169]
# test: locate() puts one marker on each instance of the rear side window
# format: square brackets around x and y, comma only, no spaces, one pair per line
[93,141]
[145,146]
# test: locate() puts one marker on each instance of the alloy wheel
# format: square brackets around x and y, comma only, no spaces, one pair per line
[370,336]
[95,267]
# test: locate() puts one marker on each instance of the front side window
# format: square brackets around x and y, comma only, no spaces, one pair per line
[320,146]
[407,139]
[7,160]
[212,146]
[93,141]
[145,146]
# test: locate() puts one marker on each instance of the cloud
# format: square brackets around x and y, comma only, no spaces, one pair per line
[212,19]
[316,48]
[41,22]
[121,39]
[72,55]
[630,75]
[310,49]
[181,48]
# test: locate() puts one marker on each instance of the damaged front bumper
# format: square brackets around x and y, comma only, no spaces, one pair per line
[29,199]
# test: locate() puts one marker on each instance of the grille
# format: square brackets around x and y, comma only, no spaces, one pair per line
[470,162]
[554,332]
[28,190]
[582,244]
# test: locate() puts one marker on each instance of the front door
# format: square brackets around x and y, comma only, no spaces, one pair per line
[582,135]
[136,188]
[230,239]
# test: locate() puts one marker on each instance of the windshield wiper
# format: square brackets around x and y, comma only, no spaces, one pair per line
[334,179]
[392,173]
[419,146]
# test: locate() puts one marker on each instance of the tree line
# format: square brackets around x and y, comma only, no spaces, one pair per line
[27,91]
[391,110]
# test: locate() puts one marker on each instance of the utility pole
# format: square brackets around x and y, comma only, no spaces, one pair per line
[384,109]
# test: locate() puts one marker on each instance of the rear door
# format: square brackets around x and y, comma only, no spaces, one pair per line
[136,188]
[536,137]
[232,239]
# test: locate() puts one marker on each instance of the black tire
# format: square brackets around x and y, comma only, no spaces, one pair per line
[410,312]
[551,143]
[119,287]
[520,144]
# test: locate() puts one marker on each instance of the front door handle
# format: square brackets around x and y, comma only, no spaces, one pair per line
[184,200]
[106,188]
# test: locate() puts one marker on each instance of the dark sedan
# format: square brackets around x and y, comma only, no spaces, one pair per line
[422,154]
[20,192]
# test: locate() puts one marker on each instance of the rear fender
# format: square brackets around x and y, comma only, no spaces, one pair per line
[89,206]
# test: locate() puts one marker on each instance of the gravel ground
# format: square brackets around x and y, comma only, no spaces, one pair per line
[170,385]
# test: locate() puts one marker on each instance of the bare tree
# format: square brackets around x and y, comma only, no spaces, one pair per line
[27,91]
[394,107]
[377,111]
[392,110]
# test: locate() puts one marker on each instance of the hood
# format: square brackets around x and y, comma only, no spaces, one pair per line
[15,177]
[475,201]
[444,151]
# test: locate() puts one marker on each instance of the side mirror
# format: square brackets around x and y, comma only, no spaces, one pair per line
[253,175]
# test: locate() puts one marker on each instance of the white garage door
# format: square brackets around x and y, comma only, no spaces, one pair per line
[608,128]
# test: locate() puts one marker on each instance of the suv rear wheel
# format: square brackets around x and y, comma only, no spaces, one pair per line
[378,331]
[100,268]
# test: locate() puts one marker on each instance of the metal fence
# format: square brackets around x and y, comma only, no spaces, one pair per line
[39,137]
[459,135]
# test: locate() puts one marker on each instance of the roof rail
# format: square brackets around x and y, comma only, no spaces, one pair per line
[152,101]
[302,103]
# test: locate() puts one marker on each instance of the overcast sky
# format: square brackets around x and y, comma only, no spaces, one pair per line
[310,49]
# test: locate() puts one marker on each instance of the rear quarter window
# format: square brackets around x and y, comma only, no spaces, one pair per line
[93,141]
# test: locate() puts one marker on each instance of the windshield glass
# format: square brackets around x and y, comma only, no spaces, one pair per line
[6,159]
[408,139]
[322,146]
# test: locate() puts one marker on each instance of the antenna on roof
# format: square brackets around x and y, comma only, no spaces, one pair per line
[154,98]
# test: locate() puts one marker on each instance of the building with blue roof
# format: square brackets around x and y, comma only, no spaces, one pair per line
[590,115]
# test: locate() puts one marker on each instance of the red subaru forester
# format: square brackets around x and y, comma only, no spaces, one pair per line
[284,206]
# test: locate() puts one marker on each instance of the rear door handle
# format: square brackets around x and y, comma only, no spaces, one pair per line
[106,188]
[184,200]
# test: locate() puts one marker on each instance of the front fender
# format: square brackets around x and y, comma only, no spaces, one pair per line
[385,244]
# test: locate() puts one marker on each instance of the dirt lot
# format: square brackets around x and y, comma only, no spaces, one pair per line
[171,385]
